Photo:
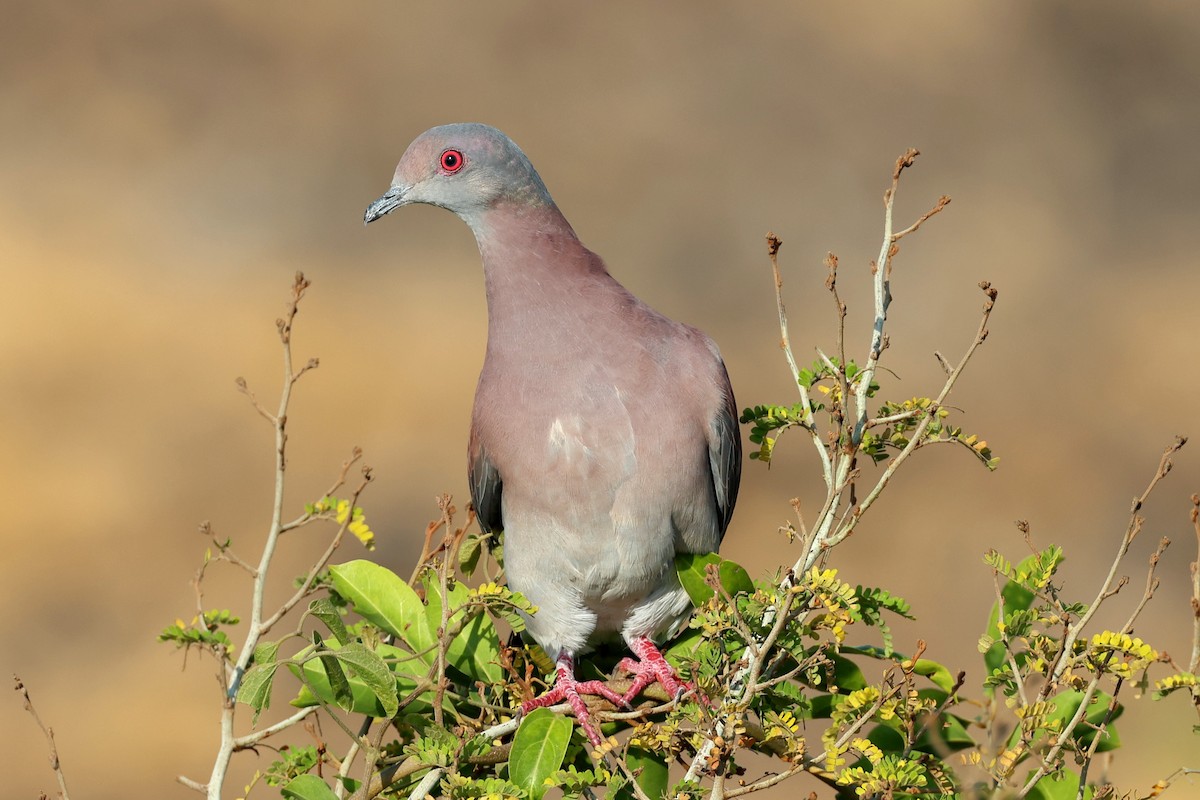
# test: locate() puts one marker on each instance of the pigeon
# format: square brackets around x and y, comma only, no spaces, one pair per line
[604,436]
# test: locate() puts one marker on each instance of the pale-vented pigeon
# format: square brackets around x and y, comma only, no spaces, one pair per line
[604,438]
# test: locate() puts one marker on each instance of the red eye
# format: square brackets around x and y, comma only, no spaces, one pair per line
[452,161]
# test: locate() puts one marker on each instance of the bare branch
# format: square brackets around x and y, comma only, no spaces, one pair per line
[422,789]
[48,732]
[1194,661]
[1131,531]
[773,245]
[224,552]
[259,623]
[251,739]
[319,563]
[1065,736]
[842,531]
[1100,735]
[242,387]
[769,781]
[304,519]
[942,202]
[1151,585]
[195,786]
[900,417]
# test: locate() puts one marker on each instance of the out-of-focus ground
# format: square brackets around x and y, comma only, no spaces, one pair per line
[166,168]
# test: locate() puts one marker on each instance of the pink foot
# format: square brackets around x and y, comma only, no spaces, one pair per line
[650,668]
[569,689]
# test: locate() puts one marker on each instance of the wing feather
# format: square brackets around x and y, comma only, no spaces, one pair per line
[725,454]
[485,485]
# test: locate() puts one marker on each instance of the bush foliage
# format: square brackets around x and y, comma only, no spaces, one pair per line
[798,676]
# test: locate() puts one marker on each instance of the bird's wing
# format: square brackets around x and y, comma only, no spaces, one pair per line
[486,485]
[725,454]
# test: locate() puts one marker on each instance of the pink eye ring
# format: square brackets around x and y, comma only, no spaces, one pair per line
[452,161]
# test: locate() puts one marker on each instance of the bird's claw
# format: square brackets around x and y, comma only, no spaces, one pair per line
[651,668]
[566,688]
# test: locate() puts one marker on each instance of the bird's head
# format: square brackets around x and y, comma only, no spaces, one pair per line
[467,168]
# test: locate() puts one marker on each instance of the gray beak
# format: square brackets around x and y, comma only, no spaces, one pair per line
[386,204]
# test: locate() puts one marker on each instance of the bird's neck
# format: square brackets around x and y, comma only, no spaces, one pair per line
[536,270]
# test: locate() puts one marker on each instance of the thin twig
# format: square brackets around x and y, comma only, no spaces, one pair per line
[280,423]
[1065,736]
[1194,661]
[1151,585]
[1131,531]
[260,624]
[918,433]
[1011,657]
[899,417]
[882,294]
[195,786]
[831,262]
[933,716]
[305,518]
[55,763]
[1100,735]
[319,564]
[942,202]
[242,387]
[1166,782]
[224,552]
[251,739]
[372,751]
[767,782]
[443,642]
[352,752]
[773,245]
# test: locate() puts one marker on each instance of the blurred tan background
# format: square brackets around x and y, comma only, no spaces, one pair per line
[167,167]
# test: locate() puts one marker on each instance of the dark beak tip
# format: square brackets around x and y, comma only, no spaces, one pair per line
[383,206]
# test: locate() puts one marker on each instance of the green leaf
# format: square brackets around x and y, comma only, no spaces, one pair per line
[691,569]
[1016,598]
[317,691]
[338,684]
[308,787]
[1062,787]
[468,555]
[951,736]
[938,674]
[382,598]
[538,750]
[847,676]
[822,705]
[682,651]
[1065,706]
[255,690]
[475,651]
[266,653]
[325,611]
[887,738]
[653,776]
[1095,715]
[374,673]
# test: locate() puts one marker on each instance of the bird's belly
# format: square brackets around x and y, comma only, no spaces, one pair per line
[592,585]
[595,557]
[595,509]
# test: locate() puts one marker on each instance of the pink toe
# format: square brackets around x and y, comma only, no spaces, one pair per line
[567,688]
[652,667]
